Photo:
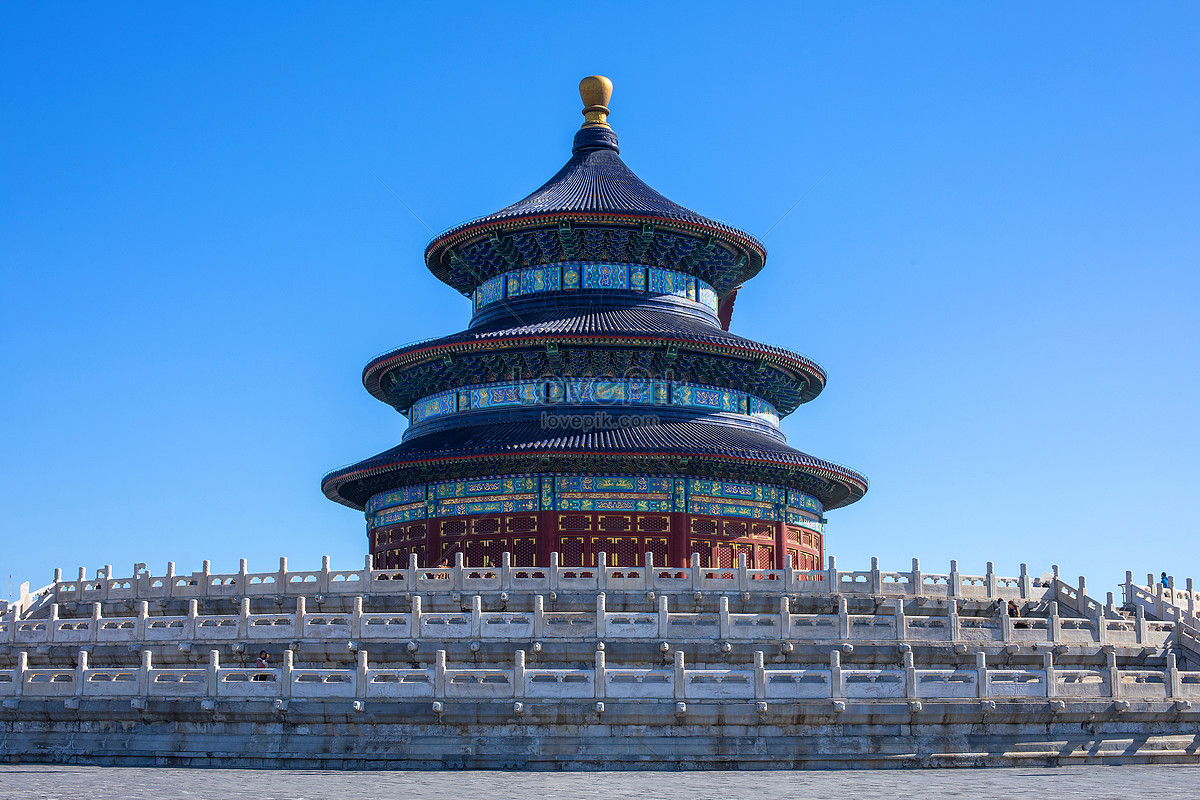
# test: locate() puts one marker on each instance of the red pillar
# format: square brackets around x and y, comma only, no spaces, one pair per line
[677,544]
[547,537]
[780,545]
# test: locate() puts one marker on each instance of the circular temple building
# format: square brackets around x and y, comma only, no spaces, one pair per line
[597,403]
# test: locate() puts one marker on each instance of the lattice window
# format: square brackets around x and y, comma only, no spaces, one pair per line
[522,524]
[793,559]
[764,556]
[628,553]
[762,530]
[495,552]
[524,552]
[570,551]
[454,527]
[704,527]
[808,539]
[654,524]
[420,551]
[703,548]
[485,526]
[793,535]
[574,523]
[657,546]
[416,531]
[722,556]
[614,523]
[735,530]
[816,541]
[477,552]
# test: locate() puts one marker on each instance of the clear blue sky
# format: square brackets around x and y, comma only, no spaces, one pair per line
[1000,270]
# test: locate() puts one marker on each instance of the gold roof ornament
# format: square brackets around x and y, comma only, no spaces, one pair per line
[596,91]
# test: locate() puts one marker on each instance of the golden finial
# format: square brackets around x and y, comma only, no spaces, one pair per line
[596,91]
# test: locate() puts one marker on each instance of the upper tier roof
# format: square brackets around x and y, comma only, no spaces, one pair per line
[595,191]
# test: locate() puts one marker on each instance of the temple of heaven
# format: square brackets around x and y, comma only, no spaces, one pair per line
[597,402]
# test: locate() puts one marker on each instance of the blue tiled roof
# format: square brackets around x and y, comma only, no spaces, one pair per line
[530,438]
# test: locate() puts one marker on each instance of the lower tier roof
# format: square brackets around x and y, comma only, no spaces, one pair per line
[690,447]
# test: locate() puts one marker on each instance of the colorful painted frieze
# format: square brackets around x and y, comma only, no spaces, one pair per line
[761,409]
[712,397]
[670,282]
[408,494]
[717,509]
[486,487]
[613,483]
[757,492]
[637,278]
[434,406]
[489,291]
[801,521]
[605,276]
[571,276]
[396,515]
[507,394]
[463,508]
[800,500]
[706,295]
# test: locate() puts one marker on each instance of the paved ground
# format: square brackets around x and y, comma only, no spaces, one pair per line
[118,783]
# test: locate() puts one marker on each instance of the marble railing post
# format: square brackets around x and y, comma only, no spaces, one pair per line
[785,618]
[519,674]
[697,579]
[410,578]
[169,581]
[664,616]
[1051,678]
[843,619]
[414,617]
[22,669]
[285,674]
[369,564]
[476,615]
[323,581]
[990,579]
[143,679]
[602,570]
[981,678]
[648,571]
[1006,623]
[242,581]
[724,617]
[901,622]
[601,615]
[189,628]
[1055,622]
[910,675]
[601,680]
[281,582]
[760,676]
[539,616]
[244,618]
[212,674]
[506,571]
[680,677]
[301,617]
[1101,623]
[81,672]
[361,674]
[1191,603]
[1174,682]
[79,584]
[915,580]
[356,618]
[834,584]
[876,579]
[94,625]
[553,573]
[743,578]
[143,614]
[955,581]
[1114,675]
[952,617]
[1128,587]
[51,624]
[835,674]
[1139,619]
[1026,583]
[439,674]
[457,573]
